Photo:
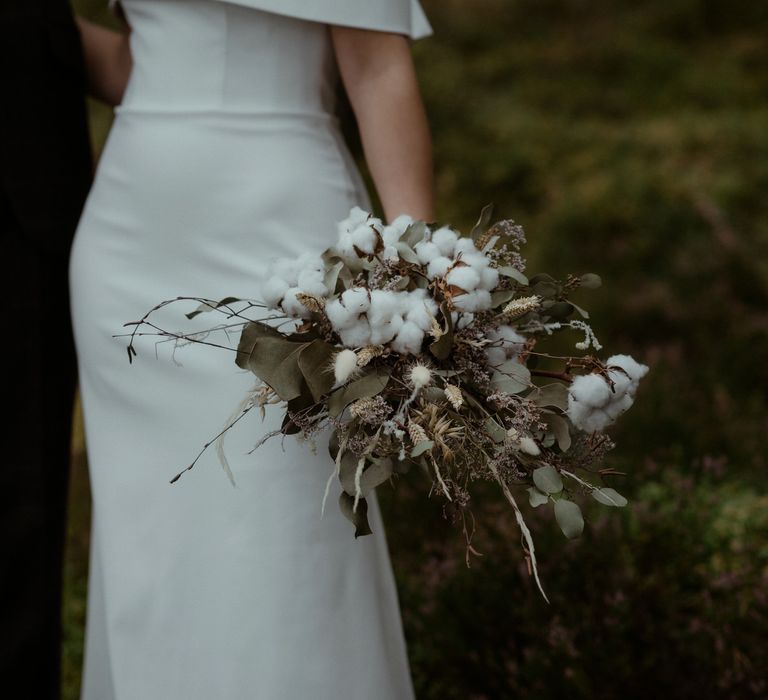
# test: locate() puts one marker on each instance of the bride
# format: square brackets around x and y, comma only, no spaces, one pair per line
[225,154]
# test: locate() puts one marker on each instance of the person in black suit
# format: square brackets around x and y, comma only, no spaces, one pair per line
[45,174]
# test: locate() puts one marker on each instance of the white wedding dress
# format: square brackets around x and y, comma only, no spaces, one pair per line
[224,155]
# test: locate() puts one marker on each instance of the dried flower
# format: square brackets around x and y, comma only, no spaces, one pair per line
[453,394]
[420,376]
[344,365]
[416,433]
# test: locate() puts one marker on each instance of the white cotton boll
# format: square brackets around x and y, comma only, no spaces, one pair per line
[465,246]
[390,253]
[344,365]
[310,261]
[409,339]
[590,390]
[489,278]
[426,251]
[438,267]
[384,332]
[621,383]
[420,376]
[356,217]
[445,239]
[356,299]
[477,300]
[364,238]
[394,230]
[287,269]
[464,277]
[357,335]
[384,305]
[421,312]
[496,356]
[465,320]
[636,370]
[292,306]
[476,260]
[272,291]
[596,419]
[345,247]
[615,408]
[311,282]
[339,315]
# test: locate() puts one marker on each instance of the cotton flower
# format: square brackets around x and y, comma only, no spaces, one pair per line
[384,332]
[344,365]
[591,403]
[272,291]
[339,315]
[393,231]
[426,252]
[463,277]
[311,282]
[445,239]
[476,300]
[356,335]
[292,306]
[356,299]
[384,305]
[408,339]
[437,267]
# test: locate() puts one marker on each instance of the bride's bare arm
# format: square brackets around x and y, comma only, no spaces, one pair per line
[107,61]
[380,79]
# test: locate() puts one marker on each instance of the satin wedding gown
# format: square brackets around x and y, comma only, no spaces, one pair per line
[224,154]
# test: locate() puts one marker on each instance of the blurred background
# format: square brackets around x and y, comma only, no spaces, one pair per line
[630,139]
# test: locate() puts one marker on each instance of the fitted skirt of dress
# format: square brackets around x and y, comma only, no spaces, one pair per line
[201,590]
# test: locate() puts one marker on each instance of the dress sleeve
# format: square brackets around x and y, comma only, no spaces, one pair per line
[400,16]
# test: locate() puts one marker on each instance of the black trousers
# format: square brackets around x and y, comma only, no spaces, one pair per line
[40,374]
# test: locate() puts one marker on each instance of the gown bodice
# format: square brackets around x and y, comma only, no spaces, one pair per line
[198,55]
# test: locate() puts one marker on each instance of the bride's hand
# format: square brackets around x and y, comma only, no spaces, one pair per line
[108,60]
[380,79]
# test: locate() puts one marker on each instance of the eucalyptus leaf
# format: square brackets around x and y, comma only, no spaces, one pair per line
[358,518]
[511,377]
[536,498]
[584,313]
[558,310]
[590,280]
[555,394]
[315,363]
[422,447]
[496,431]
[332,276]
[482,223]
[559,427]
[569,517]
[406,252]
[272,358]
[414,233]
[365,387]
[501,297]
[547,479]
[609,497]
[514,273]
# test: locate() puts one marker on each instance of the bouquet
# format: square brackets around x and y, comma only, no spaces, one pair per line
[418,348]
